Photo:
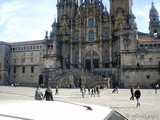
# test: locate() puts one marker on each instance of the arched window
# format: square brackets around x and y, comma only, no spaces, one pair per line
[146,47]
[91,21]
[76,37]
[88,54]
[155,46]
[95,54]
[32,69]
[106,36]
[150,46]
[141,46]
[76,56]
[106,58]
[92,54]
[91,36]
[155,33]
[23,69]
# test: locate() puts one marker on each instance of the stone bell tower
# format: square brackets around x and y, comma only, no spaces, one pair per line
[51,55]
[66,11]
[123,27]
[154,24]
[124,34]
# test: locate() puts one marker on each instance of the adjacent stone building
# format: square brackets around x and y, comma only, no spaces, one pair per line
[87,46]
[4,63]
[26,62]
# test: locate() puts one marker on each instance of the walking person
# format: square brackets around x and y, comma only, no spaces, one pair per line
[137,95]
[38,94]
[92,92]
[98,91]
[48,94]
[117,89]
[132,93]
[84,88]
[56,93]
[155,87]
[81,88]
[83,92]
[89,90]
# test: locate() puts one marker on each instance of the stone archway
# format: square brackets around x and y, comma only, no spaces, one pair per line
[77,81]
[41,80]
[92,60]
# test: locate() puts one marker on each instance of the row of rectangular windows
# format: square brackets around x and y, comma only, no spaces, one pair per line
[23,60]
[24,48]
[23,69]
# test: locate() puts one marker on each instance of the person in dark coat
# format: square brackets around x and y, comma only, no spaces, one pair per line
[48,94]
[137,95]
[56,93]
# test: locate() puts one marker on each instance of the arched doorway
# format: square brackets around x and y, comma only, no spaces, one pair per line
[77,81]
[41,80]
[92,60]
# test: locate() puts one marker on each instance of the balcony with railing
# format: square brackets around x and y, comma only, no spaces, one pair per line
[138,66]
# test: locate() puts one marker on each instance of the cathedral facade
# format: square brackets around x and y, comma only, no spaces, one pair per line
[88,40]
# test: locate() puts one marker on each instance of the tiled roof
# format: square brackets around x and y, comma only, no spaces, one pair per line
[148,38]
[28,42]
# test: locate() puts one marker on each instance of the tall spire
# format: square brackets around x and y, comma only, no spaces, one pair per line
[153,15]
[54,23]
[152,3]
[46,36]
[154,23]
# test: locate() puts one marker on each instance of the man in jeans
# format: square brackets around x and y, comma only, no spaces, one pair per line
[137,95]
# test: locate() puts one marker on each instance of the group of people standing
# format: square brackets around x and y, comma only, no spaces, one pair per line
[91,91]
[48,96]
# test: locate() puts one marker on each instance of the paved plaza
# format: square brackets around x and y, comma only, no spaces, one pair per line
[149,110]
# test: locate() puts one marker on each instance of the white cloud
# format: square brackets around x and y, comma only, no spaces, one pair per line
[7,11]
[141,9]
[11,6]
[24,20]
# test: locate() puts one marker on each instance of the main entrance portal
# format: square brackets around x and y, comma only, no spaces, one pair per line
[92,60]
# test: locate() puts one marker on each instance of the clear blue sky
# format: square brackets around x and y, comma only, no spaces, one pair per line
[25,20]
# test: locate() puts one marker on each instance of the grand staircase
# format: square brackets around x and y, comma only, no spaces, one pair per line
[67,78]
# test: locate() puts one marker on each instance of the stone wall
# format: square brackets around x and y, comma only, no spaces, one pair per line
[26,66]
